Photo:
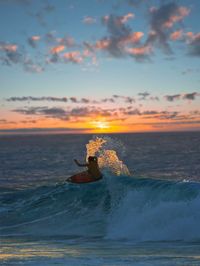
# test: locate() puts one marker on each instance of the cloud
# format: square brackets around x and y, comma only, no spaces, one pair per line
[62,114]
[89,20]
[118,31]
[190,96]
[57,49]
[31,98]
[8,47]
[44,130]
[176,35]
[33,40]
[186,96]
[6,122]
[162,20]
[74,57]
[54,112]
[51,99]
[67,41]
[143,95]
[105,100]
[32,67]
[127,99]
[171,98]
[194,43]
[10,52]
[121,41]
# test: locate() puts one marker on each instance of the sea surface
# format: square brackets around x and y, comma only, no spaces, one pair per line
[145,211]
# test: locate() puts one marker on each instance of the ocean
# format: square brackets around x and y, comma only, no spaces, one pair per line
[145,211]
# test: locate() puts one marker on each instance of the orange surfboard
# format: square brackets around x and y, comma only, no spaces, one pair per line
[82,177]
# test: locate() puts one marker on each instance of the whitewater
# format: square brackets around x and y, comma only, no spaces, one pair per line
[127,218]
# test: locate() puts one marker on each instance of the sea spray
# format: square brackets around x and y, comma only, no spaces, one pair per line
[107,150]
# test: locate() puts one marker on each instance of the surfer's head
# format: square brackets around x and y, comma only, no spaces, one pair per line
[92,159]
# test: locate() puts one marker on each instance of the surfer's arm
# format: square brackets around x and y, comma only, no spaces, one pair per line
[80,164]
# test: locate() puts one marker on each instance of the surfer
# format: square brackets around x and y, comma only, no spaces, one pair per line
[93,167]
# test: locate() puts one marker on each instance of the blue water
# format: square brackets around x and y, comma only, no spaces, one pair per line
[150,217]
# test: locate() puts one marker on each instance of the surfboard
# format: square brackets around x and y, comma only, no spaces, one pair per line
[82,177]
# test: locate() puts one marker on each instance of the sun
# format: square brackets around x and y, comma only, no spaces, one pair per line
[101,124]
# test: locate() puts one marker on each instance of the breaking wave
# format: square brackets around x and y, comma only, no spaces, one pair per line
[117,207]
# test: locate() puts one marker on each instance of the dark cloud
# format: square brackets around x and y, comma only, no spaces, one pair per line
[73,99]
[162,20]
[69,113]
[105,100]
[191,96]
[43,130]
[118,31]
[28,121]
[5,122]
[31,98]
[121,40]
[194,45]
[154,98]
[132,112]
[53,112]
[127,99]
[53,99]
[10,54]
[143,95]
[171,98]
[187,96]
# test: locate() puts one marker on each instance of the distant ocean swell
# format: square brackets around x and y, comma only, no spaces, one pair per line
[118,207]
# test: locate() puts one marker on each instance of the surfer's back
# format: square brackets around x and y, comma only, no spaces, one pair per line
[93,169]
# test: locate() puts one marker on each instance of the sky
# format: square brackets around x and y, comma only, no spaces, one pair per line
[99,66]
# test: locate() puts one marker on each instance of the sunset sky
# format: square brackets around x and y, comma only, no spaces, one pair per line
[80,66]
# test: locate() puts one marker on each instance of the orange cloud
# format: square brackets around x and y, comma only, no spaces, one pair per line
[176,35]
[102,44]
[133,38]
[74,57]
[140,51]
[57,49]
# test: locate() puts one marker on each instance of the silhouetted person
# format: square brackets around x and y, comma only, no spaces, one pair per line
[93,167]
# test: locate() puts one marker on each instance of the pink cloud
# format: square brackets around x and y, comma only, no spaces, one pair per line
[74,57]
[118,20]
[176,35]
[102,44]
[192,36]
[133,38]
[140,51]
[126,17]
[9,47]
[35,38]
[57,49]
[179,15]
[67,41]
